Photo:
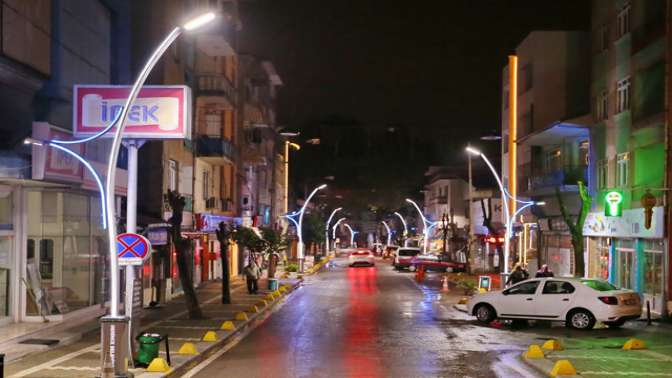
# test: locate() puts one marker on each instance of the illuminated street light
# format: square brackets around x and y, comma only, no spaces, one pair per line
[299,233]
[427,225]
[403,222]
[333,235]
[113,319]
[326,229]
[295,146]
[389,233]
[352,234]
[505,202]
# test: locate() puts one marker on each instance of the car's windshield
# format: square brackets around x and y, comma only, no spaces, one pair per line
[408,252]
[599,285]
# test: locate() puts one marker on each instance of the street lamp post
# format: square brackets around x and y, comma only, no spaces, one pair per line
[114,327]
[326,229]
[389,233]
[300,213]
[295,146]
[403,222]
[352,234]
[427,225]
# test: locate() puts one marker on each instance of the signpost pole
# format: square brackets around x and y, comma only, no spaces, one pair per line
[131,226]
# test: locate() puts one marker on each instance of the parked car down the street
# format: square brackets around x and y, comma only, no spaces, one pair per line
[403,257]
[361,256]
[580,303]
[434,263]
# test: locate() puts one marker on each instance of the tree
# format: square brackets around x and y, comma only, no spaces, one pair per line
[224,236]
[183,248]
[313,229]
[576,229]
[246,237]
[276,243]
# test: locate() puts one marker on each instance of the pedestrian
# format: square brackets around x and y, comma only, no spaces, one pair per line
[252,273]
[545,271]
[519,274]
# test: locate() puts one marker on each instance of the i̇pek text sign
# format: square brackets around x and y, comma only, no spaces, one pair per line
[159,112]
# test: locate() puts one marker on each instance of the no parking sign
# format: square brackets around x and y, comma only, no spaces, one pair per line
[132,249]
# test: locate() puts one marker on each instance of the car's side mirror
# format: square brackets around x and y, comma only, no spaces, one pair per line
[505,292]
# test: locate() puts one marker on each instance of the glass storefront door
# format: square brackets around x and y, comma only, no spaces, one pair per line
[598,265]
[653,268]
[625,269]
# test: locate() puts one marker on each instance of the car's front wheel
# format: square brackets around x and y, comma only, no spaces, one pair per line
[580,319]
[485,313]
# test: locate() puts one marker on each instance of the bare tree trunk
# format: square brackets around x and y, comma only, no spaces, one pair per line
[576,229]
[182,246]
[224,238]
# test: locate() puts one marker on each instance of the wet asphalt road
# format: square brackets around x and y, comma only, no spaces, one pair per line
[369,322]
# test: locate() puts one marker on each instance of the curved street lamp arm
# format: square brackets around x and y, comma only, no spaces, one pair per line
[333,235]
[332,217]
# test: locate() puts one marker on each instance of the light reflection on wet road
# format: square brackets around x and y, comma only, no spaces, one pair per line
[360,322]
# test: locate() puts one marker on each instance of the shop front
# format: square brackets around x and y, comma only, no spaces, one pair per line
[624,252]
[208,249]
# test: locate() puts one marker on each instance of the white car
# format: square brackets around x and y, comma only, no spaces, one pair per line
[361,257]
[577,302]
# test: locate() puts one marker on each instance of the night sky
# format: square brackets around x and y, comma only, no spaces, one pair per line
[433,66]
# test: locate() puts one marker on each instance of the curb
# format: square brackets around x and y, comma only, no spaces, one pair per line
[255,320]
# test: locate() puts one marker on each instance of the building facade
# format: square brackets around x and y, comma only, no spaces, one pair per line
[52,245]
[628,153]
[552,141]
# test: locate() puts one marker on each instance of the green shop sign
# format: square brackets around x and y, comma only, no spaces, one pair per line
[613,206]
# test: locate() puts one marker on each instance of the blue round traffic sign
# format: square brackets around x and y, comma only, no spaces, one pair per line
[132,249]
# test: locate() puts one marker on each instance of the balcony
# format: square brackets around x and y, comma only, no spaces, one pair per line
[565,179]
[215,149]
[216,85]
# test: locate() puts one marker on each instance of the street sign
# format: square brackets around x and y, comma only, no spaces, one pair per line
[614,204]
[484,282]
[159,112]
[132,249]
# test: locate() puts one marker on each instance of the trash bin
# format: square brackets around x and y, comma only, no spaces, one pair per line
[148,348]
[318,258]
[273,284]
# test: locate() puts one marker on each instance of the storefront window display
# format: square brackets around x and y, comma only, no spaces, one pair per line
[65,254]
[598,266]
[653,267]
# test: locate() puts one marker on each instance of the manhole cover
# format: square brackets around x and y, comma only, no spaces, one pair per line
[48,342]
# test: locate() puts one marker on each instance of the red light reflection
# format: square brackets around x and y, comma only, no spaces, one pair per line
[361,334]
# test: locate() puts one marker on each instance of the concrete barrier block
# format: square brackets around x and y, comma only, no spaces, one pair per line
[552,345]
[533,352]
[210,336]
[227,326]
[253,309]
[562,367]
[634,344]
[241,316]
[188,348]
[158,365]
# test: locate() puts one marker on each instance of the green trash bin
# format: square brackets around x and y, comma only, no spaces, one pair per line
[272,284]
[318,258]
[148,348]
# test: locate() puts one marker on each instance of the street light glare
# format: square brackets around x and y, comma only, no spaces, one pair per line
[33,142]
[294,146]
[199,21]
[322,186]
[541,203]
[473,151]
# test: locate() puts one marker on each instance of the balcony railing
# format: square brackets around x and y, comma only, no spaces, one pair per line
[216,85]
[211,146]
[568,176]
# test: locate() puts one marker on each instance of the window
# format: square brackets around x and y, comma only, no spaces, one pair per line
[604,39]
[623,21]
[206,185]
[623,95]
[213,124]
[584,153]
[603,106]
[602,173]
[622,163]
[558,287]
[172,175]
[525,288]
[553,160]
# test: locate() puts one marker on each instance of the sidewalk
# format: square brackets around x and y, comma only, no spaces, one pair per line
[82,358]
